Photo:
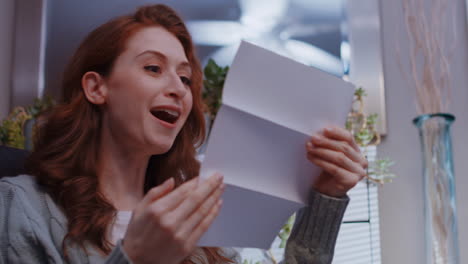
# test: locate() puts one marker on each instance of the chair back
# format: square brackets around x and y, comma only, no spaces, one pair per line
[12,161]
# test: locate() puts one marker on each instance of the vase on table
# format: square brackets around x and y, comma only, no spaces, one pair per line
[439,188]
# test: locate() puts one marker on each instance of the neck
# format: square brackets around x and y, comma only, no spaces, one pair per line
[121,172]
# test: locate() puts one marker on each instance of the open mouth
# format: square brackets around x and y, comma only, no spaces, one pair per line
[166,115]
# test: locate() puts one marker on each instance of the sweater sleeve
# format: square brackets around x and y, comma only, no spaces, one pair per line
[118,255]
[25,239]
[314,234]
[18,241]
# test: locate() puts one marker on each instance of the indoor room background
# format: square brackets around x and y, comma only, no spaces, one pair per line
[27,72]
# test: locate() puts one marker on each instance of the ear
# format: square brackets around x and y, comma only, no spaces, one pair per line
[94,87]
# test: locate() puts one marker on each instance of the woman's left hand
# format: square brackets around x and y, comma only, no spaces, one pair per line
[335,151]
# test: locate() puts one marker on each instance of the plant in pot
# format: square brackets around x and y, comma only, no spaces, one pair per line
[363,128]
[17,130]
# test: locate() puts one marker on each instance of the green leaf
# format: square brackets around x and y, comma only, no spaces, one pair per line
[372,119]
[214,78]
[380,170]
[360,92]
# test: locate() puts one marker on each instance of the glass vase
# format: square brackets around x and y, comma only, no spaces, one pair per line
[439,188]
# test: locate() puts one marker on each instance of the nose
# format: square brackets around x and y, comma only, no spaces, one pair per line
[176,88]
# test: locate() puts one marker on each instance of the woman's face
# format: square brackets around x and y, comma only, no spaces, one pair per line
[148,91]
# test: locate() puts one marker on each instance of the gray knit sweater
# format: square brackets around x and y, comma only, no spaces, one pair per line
[32,228]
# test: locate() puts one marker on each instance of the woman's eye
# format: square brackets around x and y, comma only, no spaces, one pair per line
[153,68]
[186,80]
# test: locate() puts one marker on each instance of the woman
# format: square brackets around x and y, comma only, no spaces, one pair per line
[108,159]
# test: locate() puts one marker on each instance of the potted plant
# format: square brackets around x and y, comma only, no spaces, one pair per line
[363,128]
[17,129]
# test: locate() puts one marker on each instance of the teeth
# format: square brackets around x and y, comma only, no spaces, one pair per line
[171,112]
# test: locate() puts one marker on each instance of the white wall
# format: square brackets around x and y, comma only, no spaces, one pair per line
[27,75]
[401,203]
[7,15]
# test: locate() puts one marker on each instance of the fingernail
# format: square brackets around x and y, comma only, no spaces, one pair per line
[196,179]
[219,176]
[364,172]
[168,181]
[309,144]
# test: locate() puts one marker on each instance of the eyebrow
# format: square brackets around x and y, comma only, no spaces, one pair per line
[161,56]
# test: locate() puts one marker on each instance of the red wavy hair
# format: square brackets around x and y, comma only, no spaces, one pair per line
[66,146]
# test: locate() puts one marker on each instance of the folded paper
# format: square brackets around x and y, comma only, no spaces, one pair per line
[271,106]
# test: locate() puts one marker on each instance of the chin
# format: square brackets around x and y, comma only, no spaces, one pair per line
[166,149]
[161,142]
[160,147]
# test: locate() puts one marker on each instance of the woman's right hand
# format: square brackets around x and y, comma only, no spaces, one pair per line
[167,224]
